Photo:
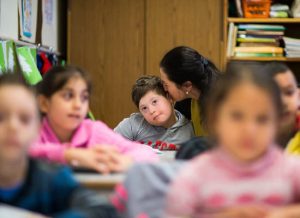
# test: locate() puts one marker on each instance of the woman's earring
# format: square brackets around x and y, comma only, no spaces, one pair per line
[186,92]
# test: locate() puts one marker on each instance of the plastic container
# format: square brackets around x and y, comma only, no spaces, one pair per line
[256,8]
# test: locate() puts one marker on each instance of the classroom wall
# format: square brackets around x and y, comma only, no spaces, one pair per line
[117,41]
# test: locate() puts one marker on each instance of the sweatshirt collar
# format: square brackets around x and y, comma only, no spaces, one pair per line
[224,159]
[79,139]
[180,120]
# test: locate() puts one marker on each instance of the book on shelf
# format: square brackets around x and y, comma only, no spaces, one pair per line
[293,54]
[231,42]
[279,14]
[252,54]
[259,44]
[230,39]
[292,47]
[259,50]
[261,32]
[280,7]
[263,27]
[259,36]
[256,40]
[279,10]
[291,41]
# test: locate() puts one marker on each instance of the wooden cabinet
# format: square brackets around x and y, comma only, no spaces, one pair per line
[117,41]
[107,39]
[193,23]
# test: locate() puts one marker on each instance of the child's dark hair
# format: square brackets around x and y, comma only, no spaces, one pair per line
[145,84]
[183,64]
[233,77]
[55,79]
[274,68]
[13,78]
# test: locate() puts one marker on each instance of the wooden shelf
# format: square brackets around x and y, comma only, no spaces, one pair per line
[285,59]
[263,20]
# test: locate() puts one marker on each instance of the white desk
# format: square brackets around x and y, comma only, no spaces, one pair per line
[168,156]
[7,211]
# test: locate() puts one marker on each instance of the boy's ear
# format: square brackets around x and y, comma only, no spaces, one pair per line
[187,86]
[43,103]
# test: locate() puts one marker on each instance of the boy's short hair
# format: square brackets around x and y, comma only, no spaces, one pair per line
[275,68]
[145,84]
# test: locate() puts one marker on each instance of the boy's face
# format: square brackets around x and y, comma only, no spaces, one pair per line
[290,98]
[19,122]
[156,109]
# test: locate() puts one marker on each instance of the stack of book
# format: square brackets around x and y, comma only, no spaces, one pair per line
[292,47]
[255,40]
[279,11]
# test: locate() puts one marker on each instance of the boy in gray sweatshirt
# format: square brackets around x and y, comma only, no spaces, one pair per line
[157,124]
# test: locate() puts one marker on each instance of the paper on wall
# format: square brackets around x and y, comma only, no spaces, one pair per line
[50,25]
[28,19]
[9,19]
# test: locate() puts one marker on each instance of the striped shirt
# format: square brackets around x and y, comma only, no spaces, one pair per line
[214,181]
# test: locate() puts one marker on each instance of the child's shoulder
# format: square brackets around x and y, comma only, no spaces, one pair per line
[133,119]
[136,118]
[182,121]
[292,160]
[180,116]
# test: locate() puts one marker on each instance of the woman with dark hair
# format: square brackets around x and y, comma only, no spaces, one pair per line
[186,74]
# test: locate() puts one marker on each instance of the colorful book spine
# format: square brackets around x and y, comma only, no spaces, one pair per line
[256,40]
[259,44]
[261,27]
[259,49]
[229,40]
[250,54]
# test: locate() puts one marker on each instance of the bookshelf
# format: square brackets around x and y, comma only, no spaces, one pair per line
[292,26]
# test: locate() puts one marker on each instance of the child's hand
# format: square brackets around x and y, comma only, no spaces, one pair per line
[242,212]
[115,162]
[120,163]
[102,158]
[92,158]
